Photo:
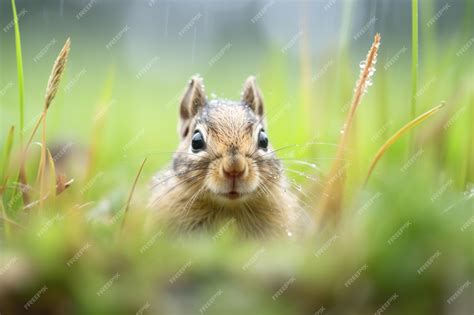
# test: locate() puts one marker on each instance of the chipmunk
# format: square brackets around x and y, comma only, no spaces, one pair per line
[224,169]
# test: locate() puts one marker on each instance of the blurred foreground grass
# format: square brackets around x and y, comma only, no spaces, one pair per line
[403,250]
[404,244]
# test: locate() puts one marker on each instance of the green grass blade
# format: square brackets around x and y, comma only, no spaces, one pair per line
[414,55]
[7,149]
[19,64]
[413,123]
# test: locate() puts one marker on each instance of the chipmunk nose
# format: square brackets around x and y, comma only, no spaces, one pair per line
[234,166]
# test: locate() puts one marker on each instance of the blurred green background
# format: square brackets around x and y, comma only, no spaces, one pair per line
[118,103]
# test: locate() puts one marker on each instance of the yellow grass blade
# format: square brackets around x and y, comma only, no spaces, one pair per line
[397,136]
[52,169]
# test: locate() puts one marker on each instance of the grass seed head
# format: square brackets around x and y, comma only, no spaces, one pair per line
[56,72]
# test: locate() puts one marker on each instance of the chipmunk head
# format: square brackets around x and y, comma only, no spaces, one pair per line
[224,150]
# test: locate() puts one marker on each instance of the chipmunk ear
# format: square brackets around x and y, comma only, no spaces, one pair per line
[193,100]
[252,97]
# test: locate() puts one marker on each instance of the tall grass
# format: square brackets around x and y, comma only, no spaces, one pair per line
[19,64]
[414,56]
[332,195]
[51,90]
[468,25]
[306,94]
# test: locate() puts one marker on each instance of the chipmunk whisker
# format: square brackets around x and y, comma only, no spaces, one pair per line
[188,180]
[178,174]
[291,182]
[302,174]
[191,200]
[150,153]
[293,146]
[290,170]
[251,212]
[191,187]
[300,201]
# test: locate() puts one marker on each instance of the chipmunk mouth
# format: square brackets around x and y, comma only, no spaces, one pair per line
[231,190]
[233,195]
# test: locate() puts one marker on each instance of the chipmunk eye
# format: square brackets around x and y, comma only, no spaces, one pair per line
[262,140]
[197,142]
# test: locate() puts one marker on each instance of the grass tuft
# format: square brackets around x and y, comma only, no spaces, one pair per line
[51,89]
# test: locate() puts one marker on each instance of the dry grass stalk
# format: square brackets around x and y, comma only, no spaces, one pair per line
[62,184]
[131,192]
[51,89]
[332,195]
[53,84]
[58,180]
